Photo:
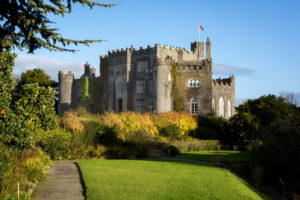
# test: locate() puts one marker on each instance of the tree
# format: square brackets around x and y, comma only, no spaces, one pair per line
[36,76]
[25,24]
[255,115]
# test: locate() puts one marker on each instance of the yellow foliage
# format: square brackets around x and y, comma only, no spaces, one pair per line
[128,124]
[184,121]
[70,122]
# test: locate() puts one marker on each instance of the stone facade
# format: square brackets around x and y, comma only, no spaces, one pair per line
[141,81]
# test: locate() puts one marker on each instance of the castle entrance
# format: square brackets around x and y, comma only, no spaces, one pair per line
[120,105]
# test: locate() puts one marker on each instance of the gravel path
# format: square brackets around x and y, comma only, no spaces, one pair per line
[63,183]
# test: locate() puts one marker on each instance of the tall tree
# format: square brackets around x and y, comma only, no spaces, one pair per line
[25,24]
[36,76]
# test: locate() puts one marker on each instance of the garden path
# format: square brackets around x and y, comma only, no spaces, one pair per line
[63,183]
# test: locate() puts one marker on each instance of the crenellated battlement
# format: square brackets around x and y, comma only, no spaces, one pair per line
[226,82]
[62,75]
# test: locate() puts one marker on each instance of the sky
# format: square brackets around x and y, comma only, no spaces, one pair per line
[256,41]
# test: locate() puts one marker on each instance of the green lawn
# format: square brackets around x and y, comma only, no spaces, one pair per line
[157,179]
[209,156]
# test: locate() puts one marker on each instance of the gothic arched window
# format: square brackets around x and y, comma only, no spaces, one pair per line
[194,106]
[221,107]
[229,108]
[213,103]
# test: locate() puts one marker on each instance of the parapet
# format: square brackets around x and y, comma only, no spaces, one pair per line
[226,82]
[68,75]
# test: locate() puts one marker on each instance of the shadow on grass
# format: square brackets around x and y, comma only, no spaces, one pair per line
[81,180]
[209,156]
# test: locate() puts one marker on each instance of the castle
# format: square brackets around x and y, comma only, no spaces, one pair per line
[141,81]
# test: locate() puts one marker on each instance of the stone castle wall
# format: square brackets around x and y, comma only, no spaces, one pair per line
[117,87]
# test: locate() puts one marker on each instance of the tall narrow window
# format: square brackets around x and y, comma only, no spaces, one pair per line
[169,104]
[142,66]
[140,86]
[194,106]
[140,105]
[229,108]
[221,107]
[213,104]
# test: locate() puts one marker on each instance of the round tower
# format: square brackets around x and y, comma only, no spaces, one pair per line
[65,91]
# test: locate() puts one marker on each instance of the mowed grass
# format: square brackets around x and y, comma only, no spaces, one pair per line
[209,156]
[157,179]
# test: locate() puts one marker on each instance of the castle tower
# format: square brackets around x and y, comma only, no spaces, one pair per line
[208,48]
[198,47]
[65,91]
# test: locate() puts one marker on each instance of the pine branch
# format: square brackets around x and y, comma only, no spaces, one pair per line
[26,24]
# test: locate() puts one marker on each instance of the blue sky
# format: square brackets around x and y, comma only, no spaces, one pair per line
[257,41]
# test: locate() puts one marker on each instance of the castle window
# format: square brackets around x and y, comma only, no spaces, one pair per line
[194,106]
[140,106]
[195,67]
[229,108]
[140,86]
[142,66]
[221,107]
[169,104]
[213,105]
[193,83]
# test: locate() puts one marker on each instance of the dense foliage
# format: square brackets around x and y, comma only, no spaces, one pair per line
[36,76]
[35,105]
[14,130]
[177,90]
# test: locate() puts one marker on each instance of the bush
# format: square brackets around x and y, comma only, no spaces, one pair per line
[127,124]
[36,105]
[70,122]
[54,142]
[171,131]
[183,121]
[199,145]
[27,167]
[173,151]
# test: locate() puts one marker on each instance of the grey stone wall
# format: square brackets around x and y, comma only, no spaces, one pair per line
[224,88]
[119,76]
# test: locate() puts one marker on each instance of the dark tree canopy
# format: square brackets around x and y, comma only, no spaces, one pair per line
[25,24]
[36,76]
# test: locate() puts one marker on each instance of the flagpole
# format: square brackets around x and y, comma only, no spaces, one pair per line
[199,33]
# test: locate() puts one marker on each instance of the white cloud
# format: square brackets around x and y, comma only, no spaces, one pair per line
[50,65]
[222,69]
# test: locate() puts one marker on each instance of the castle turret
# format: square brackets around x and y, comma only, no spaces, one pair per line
[65,91]
[88,71]
[198,47]
[208,48]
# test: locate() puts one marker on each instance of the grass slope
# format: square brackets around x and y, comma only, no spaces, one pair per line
[156,179]
[223,155]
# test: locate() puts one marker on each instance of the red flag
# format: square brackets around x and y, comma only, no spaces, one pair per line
[201,27]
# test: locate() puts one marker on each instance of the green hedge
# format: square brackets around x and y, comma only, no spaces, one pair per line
[185,146]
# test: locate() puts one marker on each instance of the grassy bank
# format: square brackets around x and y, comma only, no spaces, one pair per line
[140,179]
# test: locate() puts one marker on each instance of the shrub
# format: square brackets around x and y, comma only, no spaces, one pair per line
[54,142]
[70,122]
[36,104]
[171,131]
[27,167]
[199,145]
[173,151]
[183,121]
[127,124]
[14,130]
